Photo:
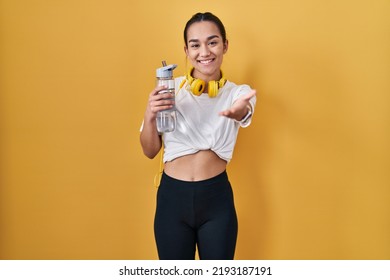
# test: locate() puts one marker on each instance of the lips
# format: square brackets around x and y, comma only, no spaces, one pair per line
[206,61]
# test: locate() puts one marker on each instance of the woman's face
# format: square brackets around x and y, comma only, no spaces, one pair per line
[205,49]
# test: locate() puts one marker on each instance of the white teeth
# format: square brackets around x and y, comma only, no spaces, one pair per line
[205,61]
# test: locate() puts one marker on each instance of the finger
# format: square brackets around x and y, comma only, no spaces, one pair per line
[162,104]
[249,95]
[160,96]
[158,89]
[161,108]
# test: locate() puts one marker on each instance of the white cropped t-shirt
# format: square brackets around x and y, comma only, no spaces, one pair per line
[199,125]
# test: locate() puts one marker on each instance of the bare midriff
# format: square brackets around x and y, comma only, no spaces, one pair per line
[195,167]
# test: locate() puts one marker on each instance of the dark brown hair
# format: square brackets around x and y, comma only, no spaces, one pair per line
[205,17]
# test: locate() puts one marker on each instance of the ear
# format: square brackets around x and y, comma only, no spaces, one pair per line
[186,50]
[225,47]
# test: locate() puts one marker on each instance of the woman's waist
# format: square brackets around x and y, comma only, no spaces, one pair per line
[199,166]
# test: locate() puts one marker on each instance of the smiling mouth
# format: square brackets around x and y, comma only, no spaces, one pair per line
[206,62]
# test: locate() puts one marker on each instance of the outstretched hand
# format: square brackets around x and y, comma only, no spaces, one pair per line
[240,107]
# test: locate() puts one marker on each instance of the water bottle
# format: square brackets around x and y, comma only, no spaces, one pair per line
[166,119]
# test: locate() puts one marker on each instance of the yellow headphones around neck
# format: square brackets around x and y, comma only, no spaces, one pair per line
[197,86]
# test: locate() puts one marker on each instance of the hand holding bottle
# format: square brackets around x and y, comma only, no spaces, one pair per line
[159,101]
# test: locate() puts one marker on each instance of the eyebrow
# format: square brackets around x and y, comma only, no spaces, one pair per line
[208,39]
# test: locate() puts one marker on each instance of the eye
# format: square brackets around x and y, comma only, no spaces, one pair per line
[213,43]
[194,46]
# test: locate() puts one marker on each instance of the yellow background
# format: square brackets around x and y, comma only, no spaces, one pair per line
[310,175]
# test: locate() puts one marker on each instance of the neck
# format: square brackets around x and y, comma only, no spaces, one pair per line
[207,78]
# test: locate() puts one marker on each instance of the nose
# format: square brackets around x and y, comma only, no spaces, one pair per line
[204,51]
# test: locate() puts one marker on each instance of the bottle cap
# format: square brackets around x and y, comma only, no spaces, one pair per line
[166,71]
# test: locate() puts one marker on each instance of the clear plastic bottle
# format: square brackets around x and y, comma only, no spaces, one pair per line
[166,119]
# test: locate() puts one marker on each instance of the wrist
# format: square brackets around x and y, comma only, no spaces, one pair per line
[149,117]
[247,116]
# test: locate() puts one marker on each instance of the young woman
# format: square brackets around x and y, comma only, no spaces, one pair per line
[195,205]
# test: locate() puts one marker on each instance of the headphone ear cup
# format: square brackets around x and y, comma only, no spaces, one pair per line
[197,86]
[213,89]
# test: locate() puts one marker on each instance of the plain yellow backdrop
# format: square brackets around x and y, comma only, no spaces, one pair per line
[310,175]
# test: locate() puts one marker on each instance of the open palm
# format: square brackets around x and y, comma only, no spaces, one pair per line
[239,108]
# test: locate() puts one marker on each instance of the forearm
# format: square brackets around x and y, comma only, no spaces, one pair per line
[150,139]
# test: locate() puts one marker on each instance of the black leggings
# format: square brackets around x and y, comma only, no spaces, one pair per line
[198,213]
